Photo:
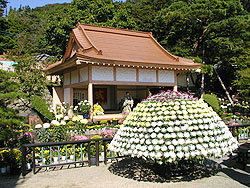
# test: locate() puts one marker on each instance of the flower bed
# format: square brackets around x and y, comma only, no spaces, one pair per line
[172,126]
[235,114]
[64,129]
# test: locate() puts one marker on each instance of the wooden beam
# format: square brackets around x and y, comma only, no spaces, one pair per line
[157,76]
[114,71]
[133,83]
[175,88]
[90,94]
[71,96]
[90,73]
[137,75]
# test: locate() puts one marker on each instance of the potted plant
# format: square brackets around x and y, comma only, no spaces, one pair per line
[63,154]
[55,156]
[29,161]
[4,160]
[84,108]
[70,153]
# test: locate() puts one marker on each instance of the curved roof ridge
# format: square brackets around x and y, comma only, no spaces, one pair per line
[113,28]
[75,38]
[87,37]
[160,46]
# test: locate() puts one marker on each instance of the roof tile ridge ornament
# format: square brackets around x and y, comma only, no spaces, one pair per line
[81,28]
[176,58]
[120,29]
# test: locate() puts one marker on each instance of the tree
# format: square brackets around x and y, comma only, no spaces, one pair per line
[213,31]
[32,80]
[96,12]
[10,121]
[23,29]
[3,4]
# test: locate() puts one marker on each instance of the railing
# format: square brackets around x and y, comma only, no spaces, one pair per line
[50,149]
[240,131]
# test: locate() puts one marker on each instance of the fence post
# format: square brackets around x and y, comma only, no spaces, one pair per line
[105,152]
[34,161]
[89,154]
[97,152]
[233,131]
[23,161]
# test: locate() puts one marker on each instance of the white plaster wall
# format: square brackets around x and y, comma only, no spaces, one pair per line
[84,74]
[74,77]
[57,96]
[67,95]
[102,73]
[166,76]
[147,75]
[126,75]
[181,79]
[66,78]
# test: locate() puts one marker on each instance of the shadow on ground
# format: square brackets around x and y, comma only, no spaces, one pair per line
[9,180]
[140,170]
[234,170]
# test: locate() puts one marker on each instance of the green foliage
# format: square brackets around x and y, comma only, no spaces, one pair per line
[213,102]
[24,29]
[207,69]
[3,4]
[12,158]
[52,134]
[211,31]
[31,78]
[70,123]
[96,12]
[10,121]
[243,82]
[84,107]
[104,122]
[93,147]
[41,107]
[215,31]
[44,135]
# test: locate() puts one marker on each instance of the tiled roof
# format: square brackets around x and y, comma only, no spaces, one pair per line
[119,45]
[4,58]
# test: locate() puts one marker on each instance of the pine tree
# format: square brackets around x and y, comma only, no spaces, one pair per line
[10,122]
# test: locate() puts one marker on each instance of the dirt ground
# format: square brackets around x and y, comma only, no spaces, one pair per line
[101,177]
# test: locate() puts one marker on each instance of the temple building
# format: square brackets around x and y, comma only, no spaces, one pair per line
[102,63]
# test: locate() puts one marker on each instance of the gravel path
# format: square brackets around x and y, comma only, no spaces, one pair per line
[101,177]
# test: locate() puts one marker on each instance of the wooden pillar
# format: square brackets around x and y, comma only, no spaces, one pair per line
[175,88]
[175,82]
[71,96]
[90,93]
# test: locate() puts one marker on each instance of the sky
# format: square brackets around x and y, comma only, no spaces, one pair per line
[33,3]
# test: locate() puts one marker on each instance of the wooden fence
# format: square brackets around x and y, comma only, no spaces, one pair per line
[241,132]
[64,144]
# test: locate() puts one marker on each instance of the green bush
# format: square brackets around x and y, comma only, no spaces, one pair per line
[92,147]
[212,100]
[40,105]
[12,158]
[53,134]
[104,122]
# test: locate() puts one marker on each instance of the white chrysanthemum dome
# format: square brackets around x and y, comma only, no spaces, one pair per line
[173,126]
